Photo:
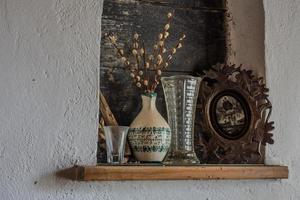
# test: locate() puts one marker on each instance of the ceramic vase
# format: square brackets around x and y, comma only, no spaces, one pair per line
[149,135]
[181,93]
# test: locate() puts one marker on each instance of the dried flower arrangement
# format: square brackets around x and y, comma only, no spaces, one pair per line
[146,68]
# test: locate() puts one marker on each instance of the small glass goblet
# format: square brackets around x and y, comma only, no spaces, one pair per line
[115,137]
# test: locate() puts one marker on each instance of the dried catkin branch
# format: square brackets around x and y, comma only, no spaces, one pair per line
[173,51]
[161,41]
[146,70]
[146,74]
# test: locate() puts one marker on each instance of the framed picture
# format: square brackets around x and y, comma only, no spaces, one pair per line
[235,121]
[230,114]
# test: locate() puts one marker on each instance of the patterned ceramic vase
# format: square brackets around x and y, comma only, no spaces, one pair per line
[149,135]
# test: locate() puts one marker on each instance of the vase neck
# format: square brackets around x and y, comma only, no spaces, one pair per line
[148,102]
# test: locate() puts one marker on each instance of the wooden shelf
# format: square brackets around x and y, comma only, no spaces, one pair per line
[160,172]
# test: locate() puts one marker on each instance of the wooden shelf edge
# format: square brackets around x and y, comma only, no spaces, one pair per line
[201,172]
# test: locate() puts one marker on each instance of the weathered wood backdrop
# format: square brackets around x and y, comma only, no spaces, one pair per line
[202,21]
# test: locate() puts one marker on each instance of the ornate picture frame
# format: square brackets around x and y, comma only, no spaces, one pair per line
[235,109]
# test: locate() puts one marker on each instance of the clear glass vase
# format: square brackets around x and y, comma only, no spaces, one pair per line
[181,93]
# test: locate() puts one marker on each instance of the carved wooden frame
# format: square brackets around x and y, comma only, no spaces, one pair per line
[250,147]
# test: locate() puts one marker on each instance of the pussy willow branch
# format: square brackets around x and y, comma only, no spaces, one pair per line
[148,64]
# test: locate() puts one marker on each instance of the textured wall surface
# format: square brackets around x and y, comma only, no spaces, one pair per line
[49,69]
[247,34]
[49,54]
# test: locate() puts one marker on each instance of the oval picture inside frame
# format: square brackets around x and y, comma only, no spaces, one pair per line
[230,115]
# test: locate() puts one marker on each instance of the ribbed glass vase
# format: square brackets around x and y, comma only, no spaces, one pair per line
[181,93]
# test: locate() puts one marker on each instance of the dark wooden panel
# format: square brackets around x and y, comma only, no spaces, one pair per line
[204,44]
[209,5]
[201,20]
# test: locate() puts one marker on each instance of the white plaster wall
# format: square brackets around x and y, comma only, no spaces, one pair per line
[48,105]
